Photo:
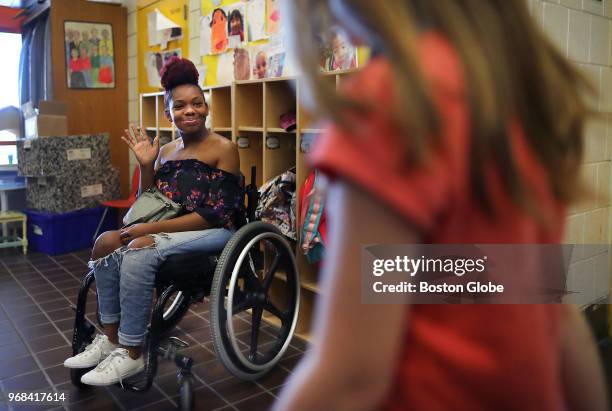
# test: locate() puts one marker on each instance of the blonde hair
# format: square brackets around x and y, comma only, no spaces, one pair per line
[512,71]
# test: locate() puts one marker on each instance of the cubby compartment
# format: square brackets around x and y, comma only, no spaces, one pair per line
[162,121]
[248,107]
[309,273]
[307,302]
[225,133]
[250,149]
[305,143]
[279,154]
[148,110]
[306,120]
[279,99]
[220,105]
[165,136]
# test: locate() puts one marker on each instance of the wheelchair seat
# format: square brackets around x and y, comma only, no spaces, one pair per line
[188,271]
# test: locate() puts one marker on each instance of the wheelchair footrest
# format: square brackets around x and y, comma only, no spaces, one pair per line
[169,352]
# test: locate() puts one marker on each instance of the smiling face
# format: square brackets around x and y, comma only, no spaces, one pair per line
[187,109]
[261,65]
[219,17]
[235,26]
[340,50]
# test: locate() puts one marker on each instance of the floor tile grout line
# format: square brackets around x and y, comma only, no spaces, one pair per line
[37,304]
[70,273]
[198,315]
[36,360]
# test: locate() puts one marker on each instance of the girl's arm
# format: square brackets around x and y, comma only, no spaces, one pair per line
[357,346]
[582,374]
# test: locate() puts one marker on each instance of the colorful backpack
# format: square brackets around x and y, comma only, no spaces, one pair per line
[314,233]
[276,203]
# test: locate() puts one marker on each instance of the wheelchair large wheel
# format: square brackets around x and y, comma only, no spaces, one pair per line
[256,276]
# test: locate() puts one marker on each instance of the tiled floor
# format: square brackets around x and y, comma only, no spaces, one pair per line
[36,320]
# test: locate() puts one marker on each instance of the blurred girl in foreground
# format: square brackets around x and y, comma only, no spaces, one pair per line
[465,127]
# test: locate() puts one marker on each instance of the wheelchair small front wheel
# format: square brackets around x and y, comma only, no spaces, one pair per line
[186,399]
[256,279]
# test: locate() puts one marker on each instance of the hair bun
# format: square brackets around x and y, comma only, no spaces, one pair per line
[178,71]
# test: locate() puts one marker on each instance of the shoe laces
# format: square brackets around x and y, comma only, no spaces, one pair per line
[98,340]
[108,362]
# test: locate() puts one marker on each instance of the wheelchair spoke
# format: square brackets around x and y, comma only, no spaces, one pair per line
[242,306]
[271,308]
[270,274]
[250,276]
[255,324]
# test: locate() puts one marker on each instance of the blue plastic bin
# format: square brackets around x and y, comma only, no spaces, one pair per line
[53,233]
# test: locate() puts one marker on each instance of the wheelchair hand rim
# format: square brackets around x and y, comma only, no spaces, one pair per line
[178,300]
[230,299]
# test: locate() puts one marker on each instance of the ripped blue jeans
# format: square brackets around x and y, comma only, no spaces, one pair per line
[125,279]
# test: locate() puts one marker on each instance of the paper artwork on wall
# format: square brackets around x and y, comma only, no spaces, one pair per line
[204,35]
[235,25]
[259,61]
[218,31]
[273,16]
[337,52]
[276,64]
[256,20]
[160,29]
[154,61]
[225,69]
[89,55]
[242,64]
[202,74]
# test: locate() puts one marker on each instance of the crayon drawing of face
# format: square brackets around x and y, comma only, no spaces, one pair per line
[235,23]
[242,68]
[218,28]
[261,65]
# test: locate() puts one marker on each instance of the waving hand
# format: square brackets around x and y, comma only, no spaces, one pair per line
[145,151]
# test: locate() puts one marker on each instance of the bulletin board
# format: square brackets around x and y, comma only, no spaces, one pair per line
[213,62]
[175,10]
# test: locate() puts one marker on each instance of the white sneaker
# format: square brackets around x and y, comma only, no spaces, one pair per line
[99,349]
[117,366]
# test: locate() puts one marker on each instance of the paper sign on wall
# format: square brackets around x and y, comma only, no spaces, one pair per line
[161,29]
[91,190]
[204,35]
[78,154]
[256,20]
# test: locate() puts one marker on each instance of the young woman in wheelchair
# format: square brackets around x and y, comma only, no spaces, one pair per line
[199,170]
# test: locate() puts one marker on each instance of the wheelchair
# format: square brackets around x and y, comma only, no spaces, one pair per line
[254,275]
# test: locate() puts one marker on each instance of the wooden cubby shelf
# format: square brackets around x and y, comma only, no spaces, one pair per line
[248,112]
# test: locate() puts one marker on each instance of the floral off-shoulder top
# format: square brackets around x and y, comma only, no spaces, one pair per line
[216,195]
